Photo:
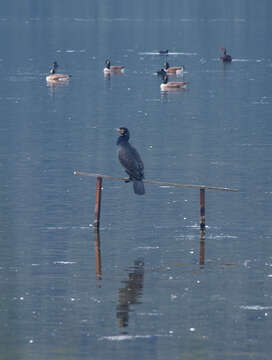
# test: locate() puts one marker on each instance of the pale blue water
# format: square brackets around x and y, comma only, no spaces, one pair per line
[148,297]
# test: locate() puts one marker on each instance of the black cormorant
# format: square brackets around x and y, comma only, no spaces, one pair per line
[131,161]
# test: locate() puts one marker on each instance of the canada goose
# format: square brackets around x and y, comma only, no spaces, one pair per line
[161,72]
[225,57]
[172,85]
[173,69]
[56,78]
[109,69]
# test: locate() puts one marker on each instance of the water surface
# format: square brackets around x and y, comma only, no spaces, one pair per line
[143,287]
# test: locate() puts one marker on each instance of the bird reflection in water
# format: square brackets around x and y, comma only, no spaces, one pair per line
[54,87]
[130,293]
[107,81]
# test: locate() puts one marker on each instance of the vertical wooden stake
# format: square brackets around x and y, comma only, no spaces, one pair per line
[202,209]
[97,202]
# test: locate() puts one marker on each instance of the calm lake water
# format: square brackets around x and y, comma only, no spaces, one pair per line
[147,286]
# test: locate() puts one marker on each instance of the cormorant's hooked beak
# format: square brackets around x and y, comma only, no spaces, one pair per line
[120,130]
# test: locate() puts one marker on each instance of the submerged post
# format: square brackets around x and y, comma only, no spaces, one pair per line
[202,210]
[97,202]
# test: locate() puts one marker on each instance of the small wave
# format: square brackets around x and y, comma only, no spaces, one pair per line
[255,307]
[240,60]
[169,53]
[84,19]
[122,19]
[50,228]
[124,337]
[222,236]
[150,314]
[74,51]
[183,53]
[71,51]
[128,337]
[96,300]
[148,247]
[227,20]
[188,20]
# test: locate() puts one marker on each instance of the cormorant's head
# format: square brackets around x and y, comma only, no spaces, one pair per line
[123,131]
[124,135]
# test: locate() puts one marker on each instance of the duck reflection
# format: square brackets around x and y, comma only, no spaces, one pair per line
[52,87]
[107,81]
[130,293]
[107,76]
[97,249]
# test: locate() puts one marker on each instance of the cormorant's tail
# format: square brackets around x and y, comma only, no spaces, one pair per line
[138,187]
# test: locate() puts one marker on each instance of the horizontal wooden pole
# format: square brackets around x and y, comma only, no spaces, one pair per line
[161,183]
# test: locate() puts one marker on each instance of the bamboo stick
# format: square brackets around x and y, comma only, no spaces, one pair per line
[161,183]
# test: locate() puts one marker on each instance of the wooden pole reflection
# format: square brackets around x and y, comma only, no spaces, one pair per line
[202,227]
[202,210]
[202,248]
[97,254]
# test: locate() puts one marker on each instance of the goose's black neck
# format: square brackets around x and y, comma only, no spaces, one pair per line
[165,79]
[108,64]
